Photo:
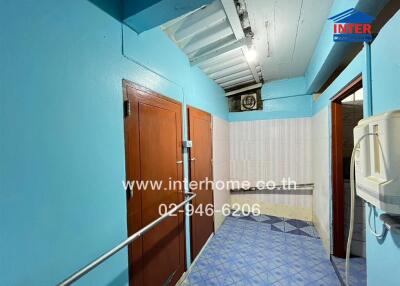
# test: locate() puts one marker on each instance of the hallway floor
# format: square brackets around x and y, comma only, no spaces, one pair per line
[358,270]
[263,250]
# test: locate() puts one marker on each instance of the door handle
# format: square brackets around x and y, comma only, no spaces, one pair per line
[179,162]
[193,159]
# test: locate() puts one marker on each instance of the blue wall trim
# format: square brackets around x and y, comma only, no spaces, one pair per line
[367,81]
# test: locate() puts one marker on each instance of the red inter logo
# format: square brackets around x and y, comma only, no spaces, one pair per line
[352,26]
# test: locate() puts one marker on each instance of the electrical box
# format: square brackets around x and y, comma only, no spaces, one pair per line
[377,161]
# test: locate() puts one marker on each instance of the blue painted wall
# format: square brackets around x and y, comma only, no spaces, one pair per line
[354,69]
[167,70]
[284,88]
[321,62]
[282,99]
[61,134]
[384,256]
[328,54]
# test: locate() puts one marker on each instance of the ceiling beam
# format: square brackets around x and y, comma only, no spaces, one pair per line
[230,10]
[233,18]
[251,64]
[250,87]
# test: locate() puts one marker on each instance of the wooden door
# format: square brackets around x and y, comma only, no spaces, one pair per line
[153,153]
[200,133]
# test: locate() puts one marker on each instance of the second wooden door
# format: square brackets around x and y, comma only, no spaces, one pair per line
[202,220]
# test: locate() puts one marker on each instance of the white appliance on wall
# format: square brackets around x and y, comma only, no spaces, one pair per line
[375,167]
[377,161]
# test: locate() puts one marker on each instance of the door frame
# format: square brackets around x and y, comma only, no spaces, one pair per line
[188,108]
[137,246]
[337,165]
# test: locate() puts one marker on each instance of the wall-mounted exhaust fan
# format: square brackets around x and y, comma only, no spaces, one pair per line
[246,101]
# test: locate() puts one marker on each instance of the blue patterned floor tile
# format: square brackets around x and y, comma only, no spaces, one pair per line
[257,251]
[237,276]
[217,281]
[195,278]
[226,279]
[309,230]
[272,219]
[298,232]
[297,223]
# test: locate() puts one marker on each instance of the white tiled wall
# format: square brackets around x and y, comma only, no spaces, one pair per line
[320,174]
[266,150]
[220,165]
[271,150]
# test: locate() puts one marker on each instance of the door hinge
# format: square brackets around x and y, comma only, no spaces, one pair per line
[127,108]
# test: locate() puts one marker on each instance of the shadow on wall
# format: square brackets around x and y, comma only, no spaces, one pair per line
[111,7]
[120,279]
[377,226]
[396,238]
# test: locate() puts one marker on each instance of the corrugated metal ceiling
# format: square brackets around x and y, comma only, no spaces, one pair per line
[213,39]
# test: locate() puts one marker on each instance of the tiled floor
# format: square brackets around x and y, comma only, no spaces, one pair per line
[263,250]
[358,270]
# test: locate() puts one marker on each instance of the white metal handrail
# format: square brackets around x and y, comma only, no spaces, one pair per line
[89,267]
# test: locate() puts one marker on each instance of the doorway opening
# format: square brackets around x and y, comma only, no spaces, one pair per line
[347,111]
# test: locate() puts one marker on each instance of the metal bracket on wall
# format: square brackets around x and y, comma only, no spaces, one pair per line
[391,222]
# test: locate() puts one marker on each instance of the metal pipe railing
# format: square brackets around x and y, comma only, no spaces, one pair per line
[89,267]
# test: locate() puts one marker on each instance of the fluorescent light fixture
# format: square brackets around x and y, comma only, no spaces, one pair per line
[251,54]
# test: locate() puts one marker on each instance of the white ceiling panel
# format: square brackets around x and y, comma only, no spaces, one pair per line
[286,33]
